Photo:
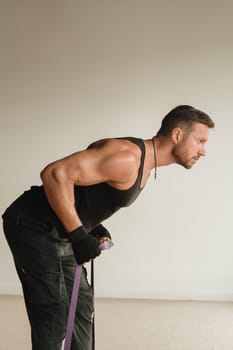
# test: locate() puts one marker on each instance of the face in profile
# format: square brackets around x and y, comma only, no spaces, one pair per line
[191,146]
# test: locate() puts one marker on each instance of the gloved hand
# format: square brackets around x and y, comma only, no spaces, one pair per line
[100,232]
[85,246]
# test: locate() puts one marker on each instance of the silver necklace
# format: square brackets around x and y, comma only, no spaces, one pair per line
[155,160]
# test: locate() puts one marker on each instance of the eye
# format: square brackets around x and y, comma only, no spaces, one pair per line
[202,141]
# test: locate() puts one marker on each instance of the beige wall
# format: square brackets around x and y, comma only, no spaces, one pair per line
[75,71]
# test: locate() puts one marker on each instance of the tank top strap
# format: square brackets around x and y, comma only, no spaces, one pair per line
[139,142]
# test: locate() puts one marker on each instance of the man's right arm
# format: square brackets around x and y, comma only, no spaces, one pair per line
[102,164]
[92,166]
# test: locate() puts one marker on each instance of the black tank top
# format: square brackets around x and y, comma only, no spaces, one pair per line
[93,203]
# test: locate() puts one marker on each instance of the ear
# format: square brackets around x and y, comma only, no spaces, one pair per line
[177,135]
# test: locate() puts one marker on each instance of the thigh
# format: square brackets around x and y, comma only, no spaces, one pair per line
[35,248]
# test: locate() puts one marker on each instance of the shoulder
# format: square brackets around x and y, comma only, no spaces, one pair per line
[120,160]
[117,145]
[119,149]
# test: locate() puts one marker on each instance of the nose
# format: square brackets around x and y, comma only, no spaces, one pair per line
[202,151]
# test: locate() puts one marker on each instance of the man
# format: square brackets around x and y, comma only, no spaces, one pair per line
[51,227]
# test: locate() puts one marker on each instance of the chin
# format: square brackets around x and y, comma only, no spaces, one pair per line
[186,165]
[189,166]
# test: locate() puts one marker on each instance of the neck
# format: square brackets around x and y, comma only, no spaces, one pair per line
[163,152]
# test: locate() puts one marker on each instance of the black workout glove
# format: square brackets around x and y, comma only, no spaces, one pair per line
[99,232]
[85,247]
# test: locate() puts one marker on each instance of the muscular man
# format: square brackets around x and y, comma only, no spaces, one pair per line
[50,228]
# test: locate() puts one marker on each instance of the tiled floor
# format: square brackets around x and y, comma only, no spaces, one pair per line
[137,324]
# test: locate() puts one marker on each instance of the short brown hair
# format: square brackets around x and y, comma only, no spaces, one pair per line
[183,116]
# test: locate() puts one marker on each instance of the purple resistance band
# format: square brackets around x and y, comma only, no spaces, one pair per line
[74,298]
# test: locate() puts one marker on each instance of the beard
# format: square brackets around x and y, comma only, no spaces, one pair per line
[181,156]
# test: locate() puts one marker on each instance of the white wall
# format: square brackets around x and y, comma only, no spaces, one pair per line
[76,71]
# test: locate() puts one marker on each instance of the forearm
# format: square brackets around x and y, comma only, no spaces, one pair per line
[60,194]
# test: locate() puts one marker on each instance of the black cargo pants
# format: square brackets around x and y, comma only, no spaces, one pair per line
[46,266]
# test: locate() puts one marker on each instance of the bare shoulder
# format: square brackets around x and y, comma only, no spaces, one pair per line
[121,160]
[116,145]
[119,150]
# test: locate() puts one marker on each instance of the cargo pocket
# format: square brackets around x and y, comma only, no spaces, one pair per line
[44,288]
[47,306]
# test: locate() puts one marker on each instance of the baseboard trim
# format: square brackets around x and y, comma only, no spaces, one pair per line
[189,295]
